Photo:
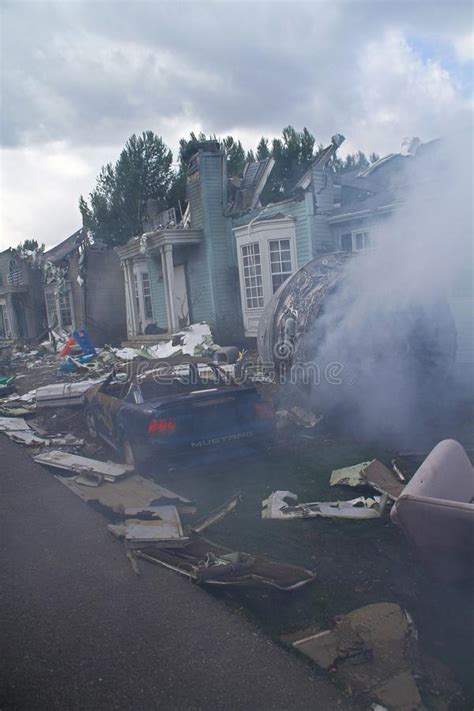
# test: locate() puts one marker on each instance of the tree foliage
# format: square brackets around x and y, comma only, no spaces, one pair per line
[30,245]
[115,208]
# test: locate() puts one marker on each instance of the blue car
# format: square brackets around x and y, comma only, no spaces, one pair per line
[150,420]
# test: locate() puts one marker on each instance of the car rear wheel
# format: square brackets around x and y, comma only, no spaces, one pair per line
[91,423]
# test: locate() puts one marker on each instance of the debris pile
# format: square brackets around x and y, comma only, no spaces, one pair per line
[284,505]
[194,340]
[374,651]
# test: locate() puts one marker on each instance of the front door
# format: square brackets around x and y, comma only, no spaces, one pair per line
[143,298]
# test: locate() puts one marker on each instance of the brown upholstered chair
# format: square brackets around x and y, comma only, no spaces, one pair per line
[436,511]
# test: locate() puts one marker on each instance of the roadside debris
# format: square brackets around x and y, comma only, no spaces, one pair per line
[7,385]
[217,514]
[18,430]
[131,491]
[284,505]
[11,424]
[64,394]
[15,409]
[160,525]
[436,511]
[194,340]
[208,563]
[373,474]
[372,650]
[83,466]
[298,416]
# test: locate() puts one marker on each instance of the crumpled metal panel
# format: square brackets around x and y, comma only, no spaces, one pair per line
[298,300]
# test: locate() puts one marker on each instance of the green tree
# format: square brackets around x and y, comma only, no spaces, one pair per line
[30,245]
[115,208]
[263,150]
[235,158]
[293,154]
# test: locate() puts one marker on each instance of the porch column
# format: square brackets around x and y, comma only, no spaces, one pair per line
[168,278]
[131,305]
[15,333]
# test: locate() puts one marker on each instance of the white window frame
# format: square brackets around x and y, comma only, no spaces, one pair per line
[261,233]
[354,234]
[58,321]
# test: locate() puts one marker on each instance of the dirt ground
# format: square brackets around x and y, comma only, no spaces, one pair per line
[356,562]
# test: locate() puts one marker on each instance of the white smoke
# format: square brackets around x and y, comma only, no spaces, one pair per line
[389,323]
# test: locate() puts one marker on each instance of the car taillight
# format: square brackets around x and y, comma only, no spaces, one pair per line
[264,409]
[161,427]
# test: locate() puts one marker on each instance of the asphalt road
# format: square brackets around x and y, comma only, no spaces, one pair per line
[80,630]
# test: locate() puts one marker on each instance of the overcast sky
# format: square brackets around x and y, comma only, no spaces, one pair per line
[78,78]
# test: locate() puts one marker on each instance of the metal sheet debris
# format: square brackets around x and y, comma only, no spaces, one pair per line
[217,514]
[208,563]
[110,471]
[373,474]
[283,505]
[160,525]
[373,650]
[64,394]
[133,490]
[13,423]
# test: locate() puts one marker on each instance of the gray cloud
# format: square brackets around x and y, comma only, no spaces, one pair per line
[79,77]
[90,72]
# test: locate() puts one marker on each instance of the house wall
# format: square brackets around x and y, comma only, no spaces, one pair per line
[104,294]
[23,298]
[298,209]
[323,195]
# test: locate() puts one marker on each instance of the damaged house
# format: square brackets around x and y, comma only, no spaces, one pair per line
[226,258]
[22,312]
[83,286]
[177,274]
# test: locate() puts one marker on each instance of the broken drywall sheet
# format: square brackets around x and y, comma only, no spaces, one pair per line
[128,492]
[373,650]
[160,525]
[12,424]
[373,474]
[283,505]
[110,471]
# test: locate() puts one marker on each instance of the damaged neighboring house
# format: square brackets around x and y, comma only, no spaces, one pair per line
[364,202]
[183,273]
[22,312]
[83,286]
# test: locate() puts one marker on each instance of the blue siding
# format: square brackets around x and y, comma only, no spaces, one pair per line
[292,208]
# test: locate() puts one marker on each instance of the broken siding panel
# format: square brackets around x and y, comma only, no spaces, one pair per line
[302,233]
[323,189]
